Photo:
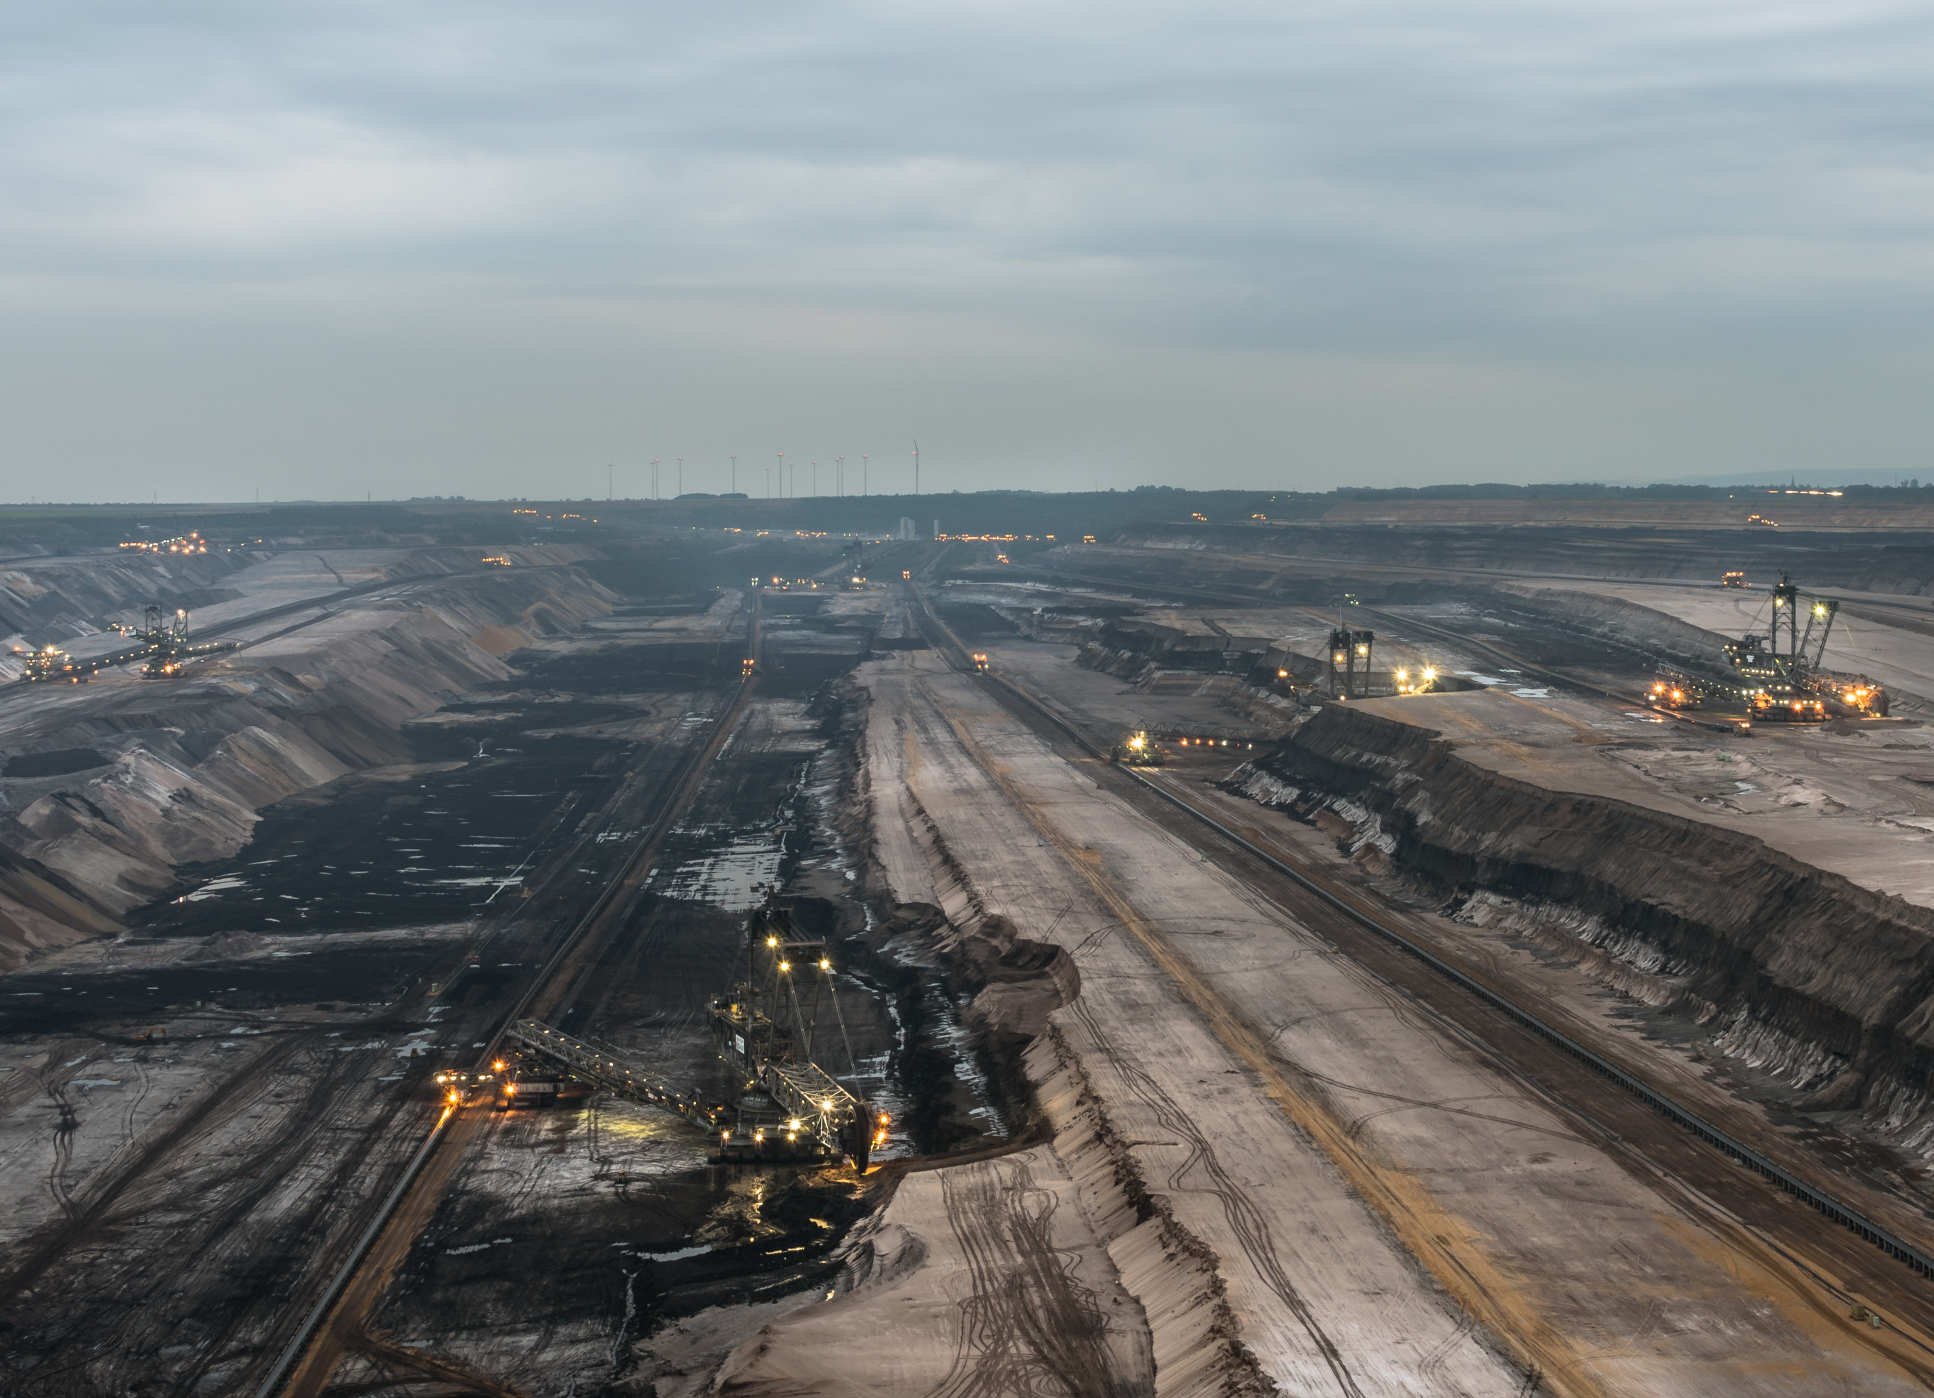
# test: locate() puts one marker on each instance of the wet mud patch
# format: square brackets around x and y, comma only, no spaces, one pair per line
[456,730]
[61,762]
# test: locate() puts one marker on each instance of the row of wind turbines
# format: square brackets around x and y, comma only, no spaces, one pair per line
[788,483]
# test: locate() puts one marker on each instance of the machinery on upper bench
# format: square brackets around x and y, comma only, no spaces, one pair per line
[1778,676]
[785,1106]
[1136,751]
[161,644]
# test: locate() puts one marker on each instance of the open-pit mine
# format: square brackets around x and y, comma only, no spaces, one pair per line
[1275,945]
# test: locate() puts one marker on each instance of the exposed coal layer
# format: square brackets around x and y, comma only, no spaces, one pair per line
[38,1003]
[53,762]
[430,847]
[1828,984]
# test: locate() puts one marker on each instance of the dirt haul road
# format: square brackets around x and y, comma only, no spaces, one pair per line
[1307,1126]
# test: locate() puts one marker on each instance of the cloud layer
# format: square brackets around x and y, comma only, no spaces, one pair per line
[488,248]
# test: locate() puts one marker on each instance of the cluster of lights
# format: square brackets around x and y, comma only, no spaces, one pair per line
[1764,701]
[47,662]
[1003,538]
[521,511]
[1762,519]
[786,585]
[495,560]
[1426,677]
[191,542]
[1784,490]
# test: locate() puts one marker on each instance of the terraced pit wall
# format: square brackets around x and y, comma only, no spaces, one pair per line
[1797,971]
[57,600]
[101,801]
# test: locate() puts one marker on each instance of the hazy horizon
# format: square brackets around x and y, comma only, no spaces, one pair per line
[416,250]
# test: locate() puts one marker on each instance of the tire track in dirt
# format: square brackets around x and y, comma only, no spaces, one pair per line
[224,1261]
[216,1106]
[64,1127]
[1245,1220]
[1029,1327]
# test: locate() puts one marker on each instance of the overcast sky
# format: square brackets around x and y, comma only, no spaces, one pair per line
[488,248]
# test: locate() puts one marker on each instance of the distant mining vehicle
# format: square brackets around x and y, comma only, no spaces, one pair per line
[1733,577]
[160,643]
[539,1092]
[1136,751]
[767,1028]
[1422,682]
[980,662]
[784,1105]
[1676,693]
[1778,675]
[51,663]
[165,643]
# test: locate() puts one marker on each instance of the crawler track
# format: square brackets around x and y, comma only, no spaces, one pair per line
[1201,1170]
[1046,1335]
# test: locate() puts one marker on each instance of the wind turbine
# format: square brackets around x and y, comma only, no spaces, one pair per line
[916,465]
[864,459]
[654,478]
